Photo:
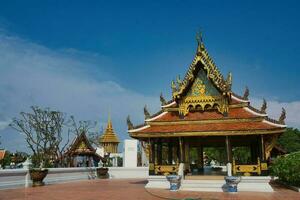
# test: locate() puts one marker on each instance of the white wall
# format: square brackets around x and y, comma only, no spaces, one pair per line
[13,178]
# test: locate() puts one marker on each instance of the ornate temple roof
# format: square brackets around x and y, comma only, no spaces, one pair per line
[109,135]
[203,104]
[81,146]
[2,153]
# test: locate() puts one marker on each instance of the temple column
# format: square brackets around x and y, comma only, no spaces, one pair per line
[228,149]
[170,152]
[181,157]
[229,156]
[262,148]
[159,152]
[151,156]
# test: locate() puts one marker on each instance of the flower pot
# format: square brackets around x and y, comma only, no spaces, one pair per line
[174,182]
[102,172]
[231,183]
[37,176]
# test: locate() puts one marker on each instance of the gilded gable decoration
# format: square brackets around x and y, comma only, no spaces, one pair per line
[203,64]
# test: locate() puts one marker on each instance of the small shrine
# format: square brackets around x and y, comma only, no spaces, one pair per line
[81,153]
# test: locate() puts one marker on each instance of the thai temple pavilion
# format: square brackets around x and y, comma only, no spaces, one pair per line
[109,140]
[205,112]
[81,153]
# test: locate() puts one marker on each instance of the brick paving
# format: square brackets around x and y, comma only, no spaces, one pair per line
[131,189]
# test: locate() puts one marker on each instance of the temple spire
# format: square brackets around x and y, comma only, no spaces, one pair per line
[109,123]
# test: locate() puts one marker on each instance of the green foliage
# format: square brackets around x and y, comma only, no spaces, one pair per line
[6,160]
[287,168]
[216,153]
[290,140]
[242,155]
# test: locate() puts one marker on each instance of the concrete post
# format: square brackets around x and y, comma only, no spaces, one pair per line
[26,166]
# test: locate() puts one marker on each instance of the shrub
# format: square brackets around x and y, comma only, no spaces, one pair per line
[287,168]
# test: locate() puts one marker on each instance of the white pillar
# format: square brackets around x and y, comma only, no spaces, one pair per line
[130,153]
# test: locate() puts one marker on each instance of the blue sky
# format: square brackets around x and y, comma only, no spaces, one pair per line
[122,54]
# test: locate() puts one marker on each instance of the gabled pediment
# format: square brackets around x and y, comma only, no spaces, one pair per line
[203,86]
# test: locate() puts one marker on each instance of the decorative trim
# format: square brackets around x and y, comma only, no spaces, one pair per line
[210,133]
[207,121]
[138,129]
[156,117]
[170,104]
[274,124]
[238,99]
[254,113]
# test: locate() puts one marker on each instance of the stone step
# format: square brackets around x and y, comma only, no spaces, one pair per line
[202,185]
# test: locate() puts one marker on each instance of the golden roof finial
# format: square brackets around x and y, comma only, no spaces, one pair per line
[109,123]
[199,40]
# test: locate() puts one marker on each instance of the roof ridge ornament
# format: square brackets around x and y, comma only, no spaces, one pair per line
[162,99]
[129,123]
[229,81]
[282,116]
[146,112]
[246,93]
[199,38]
[173,86]
[264,106]
[178,81]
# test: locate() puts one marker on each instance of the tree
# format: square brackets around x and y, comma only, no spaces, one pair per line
[43,130]
[290,140]
[87,127]
[6,160]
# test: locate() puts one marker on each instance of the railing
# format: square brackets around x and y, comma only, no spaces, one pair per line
[247,170]
[166,169]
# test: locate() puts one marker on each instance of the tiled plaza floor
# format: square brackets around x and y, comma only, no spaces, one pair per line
[130,189]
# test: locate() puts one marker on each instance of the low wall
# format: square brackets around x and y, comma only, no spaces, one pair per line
[128,172]
[13,178]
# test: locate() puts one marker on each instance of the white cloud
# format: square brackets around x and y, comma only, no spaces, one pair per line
[31,74]
[3,125]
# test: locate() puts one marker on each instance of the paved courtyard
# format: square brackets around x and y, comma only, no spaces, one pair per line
[130,189]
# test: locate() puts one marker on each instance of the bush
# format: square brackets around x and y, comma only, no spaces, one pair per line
[287,168]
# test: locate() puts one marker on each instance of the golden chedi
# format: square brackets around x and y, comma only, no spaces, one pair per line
[109,140]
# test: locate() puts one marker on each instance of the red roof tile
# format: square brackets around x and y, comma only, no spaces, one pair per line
[232,126]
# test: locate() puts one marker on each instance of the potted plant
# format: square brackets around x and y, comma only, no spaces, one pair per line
[43,133]
[102,172]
